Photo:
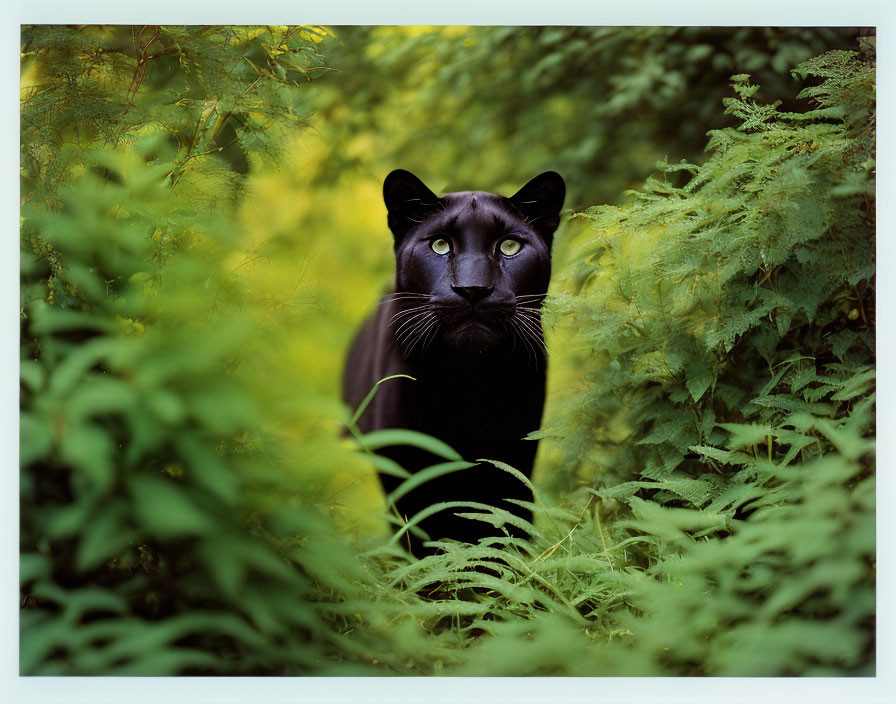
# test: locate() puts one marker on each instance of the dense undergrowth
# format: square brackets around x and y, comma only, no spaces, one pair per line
[712,508]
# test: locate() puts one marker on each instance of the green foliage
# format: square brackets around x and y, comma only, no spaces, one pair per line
[712,510]
[490,105]
[218,95]
[162,532]
[730,321]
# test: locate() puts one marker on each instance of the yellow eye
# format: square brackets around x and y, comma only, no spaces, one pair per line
[510,247]
[440,246]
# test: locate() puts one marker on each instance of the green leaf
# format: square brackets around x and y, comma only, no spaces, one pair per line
[104,536]
[76,364]
[88,448]
[856,385]
[33,566]
[385,438]
[433,509]
[386,466]
[512,471]
[167,510]
[32,375]
[746,435]
[424,475]
[35,439]
[370,394]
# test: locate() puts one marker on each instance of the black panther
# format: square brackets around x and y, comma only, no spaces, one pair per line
[472,269]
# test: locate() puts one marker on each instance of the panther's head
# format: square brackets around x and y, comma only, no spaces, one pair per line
[472,268]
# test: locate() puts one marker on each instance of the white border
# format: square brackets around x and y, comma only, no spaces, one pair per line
[74,690]
[480,12]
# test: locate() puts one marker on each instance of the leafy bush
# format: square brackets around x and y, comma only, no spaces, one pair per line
[729,322]
[161,532]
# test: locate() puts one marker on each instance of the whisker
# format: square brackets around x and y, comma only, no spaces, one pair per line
[420,331]
[528,296]
[406,341]
[430,340]
[403,305]
[531,331]
[525,339]
[510,327]
[404,314]
[527,310]
[412,325]
[533,302]
[403,296]
[409,311]
[530,313]
[534,323]
[409,324]
[429,330]
[534,327]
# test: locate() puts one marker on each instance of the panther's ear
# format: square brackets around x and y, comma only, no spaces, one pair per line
[408,201]
[540,201]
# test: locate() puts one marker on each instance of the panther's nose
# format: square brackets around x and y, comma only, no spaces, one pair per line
[473,294]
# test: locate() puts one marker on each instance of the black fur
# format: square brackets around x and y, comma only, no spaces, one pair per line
[466,325]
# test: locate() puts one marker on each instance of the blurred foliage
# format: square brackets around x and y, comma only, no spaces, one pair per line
[216,94]
[194,264]
[164,529]
[497,105]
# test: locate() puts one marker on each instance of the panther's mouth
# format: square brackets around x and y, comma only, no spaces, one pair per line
[473,332]
[473,329]
[473,335]
[478,330]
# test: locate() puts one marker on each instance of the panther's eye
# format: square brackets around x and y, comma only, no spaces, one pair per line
[440,246]
[510,247]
